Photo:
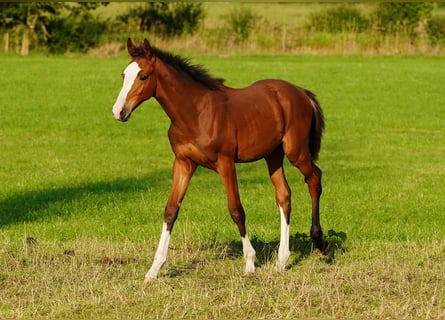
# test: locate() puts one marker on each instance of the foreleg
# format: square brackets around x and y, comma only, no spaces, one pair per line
[227,172]
[183,170]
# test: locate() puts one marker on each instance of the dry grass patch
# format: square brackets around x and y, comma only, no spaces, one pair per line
[96,279]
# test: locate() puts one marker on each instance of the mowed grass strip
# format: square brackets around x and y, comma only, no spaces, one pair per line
[82,198]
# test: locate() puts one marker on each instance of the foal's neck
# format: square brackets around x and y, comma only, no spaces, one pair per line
[180,96]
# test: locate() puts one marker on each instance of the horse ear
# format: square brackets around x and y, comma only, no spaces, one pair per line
[147,48]
[130,46]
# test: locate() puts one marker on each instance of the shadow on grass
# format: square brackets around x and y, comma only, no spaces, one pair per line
[300,244]
[43,204]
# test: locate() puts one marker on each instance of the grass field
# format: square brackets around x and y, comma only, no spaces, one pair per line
[82,197]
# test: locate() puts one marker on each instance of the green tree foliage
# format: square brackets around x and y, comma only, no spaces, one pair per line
[27,21]
[75,33]
[436,30]
[167,20]
[45,22]
[402,16]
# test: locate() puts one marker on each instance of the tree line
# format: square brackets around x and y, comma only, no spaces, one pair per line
[60,27]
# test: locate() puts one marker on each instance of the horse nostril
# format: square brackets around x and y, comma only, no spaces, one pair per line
[124,116]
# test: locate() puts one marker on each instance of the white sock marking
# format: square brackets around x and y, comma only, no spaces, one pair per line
[130,74]
[283,250]
[249,254]
[161,254]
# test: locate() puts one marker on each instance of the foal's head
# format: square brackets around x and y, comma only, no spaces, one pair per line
[139,80]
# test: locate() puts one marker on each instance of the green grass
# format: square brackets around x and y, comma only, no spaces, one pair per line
[82,197]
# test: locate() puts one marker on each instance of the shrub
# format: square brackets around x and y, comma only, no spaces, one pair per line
[166,19]
[75,33]
[242,22]
[435,30]
[338,19]
[394,17]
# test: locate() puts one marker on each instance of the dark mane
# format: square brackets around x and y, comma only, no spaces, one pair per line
[196,72]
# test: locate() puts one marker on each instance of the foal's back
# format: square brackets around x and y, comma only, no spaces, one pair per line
[264,113]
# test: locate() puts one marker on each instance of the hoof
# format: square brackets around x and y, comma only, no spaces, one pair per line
[280,268]
[148,279]
[326,249]
[322,245]
[249,269]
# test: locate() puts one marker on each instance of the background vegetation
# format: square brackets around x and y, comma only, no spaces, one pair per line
[367,27]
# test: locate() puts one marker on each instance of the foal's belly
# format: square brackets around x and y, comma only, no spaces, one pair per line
[259,122]
[257,144]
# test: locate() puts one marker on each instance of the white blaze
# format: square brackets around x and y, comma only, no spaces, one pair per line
[130,74]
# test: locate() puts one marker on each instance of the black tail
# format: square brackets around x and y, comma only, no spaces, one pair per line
[317,126]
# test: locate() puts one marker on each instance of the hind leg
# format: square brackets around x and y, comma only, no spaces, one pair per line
[312,177]
[283,198]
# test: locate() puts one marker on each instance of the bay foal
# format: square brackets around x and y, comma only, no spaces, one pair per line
[215,126]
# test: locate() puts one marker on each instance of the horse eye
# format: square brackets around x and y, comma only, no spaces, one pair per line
[143,77]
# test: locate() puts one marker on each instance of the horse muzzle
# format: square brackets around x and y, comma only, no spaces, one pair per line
[123,114]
